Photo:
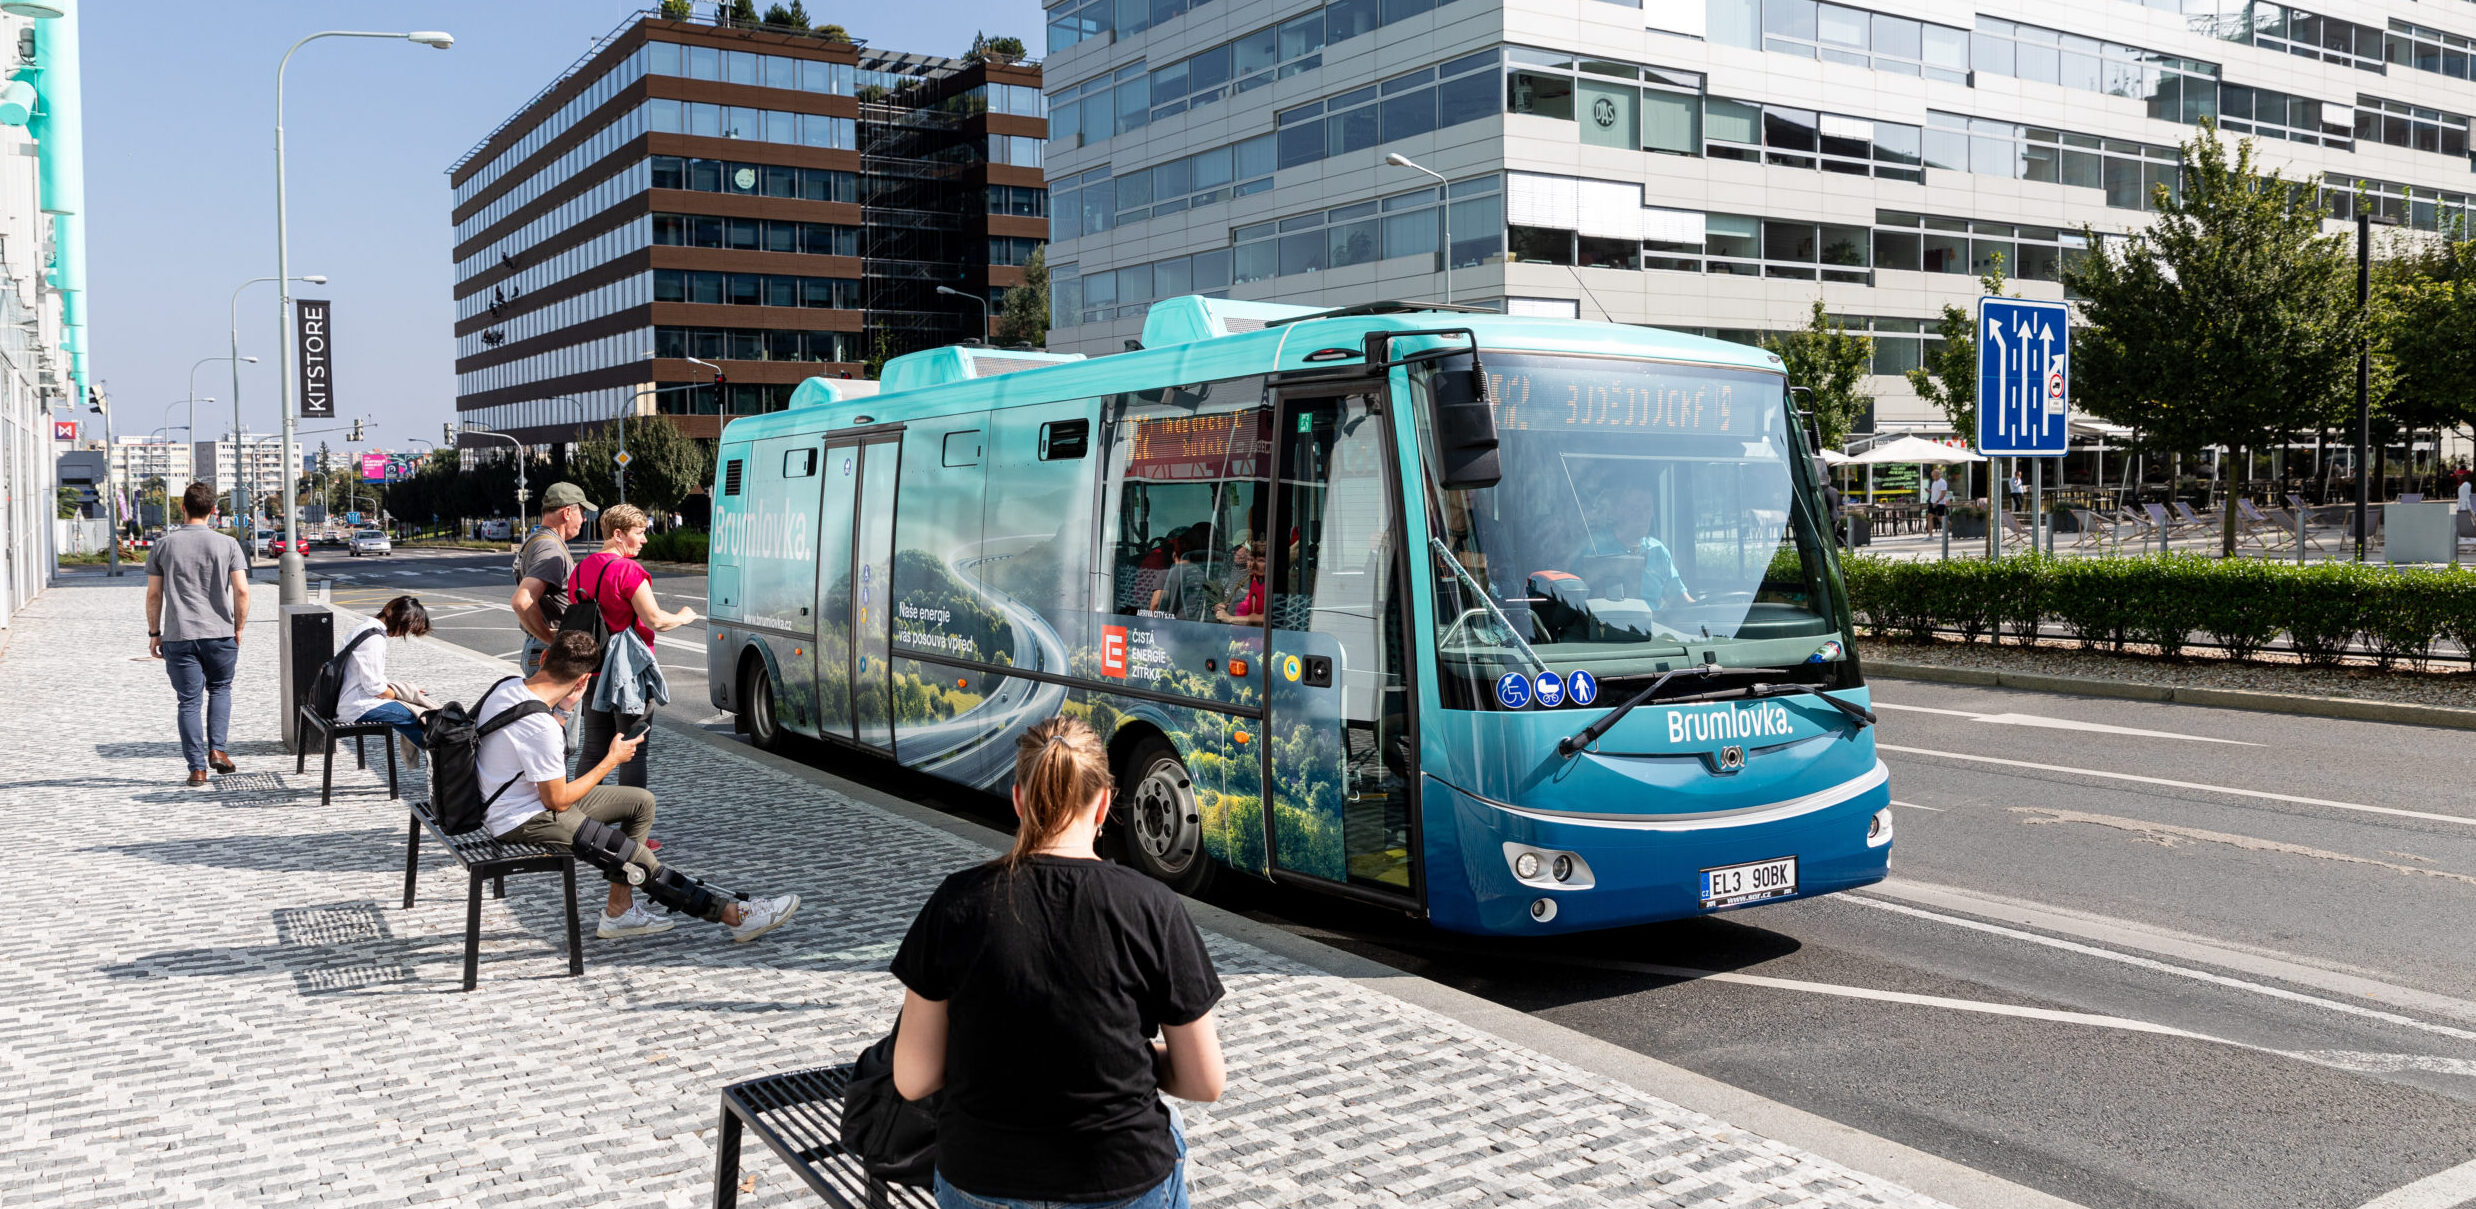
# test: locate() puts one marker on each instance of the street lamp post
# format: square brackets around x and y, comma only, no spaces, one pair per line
[293,569]
[2364,369]
[236,360]
[521,494]
[987,333]
[240,465]
[1444,213]
[102,406]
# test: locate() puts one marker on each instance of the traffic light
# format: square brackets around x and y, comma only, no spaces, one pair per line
[355,434]
[448,430]
[94,399]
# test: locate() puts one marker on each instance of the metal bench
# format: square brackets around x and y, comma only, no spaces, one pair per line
[487,859]
[799,1116]
[325,731]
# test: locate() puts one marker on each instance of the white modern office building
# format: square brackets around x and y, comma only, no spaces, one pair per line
[138,459]
[1710,165]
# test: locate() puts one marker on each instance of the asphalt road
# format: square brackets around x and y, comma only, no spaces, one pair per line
[2132,954]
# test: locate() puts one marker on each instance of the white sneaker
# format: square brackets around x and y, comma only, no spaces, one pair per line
[760,916]
[636,922]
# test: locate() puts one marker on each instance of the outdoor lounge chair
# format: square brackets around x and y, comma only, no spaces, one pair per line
[2206,522]
[2262,529]
[2099,531]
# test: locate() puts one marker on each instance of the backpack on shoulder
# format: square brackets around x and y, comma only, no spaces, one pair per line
[453,736]
[326,690]
[584,610]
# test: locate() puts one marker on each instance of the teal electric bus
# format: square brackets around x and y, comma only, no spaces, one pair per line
[1516,624]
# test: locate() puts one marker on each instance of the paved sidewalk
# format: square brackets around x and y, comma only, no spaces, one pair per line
[211,997]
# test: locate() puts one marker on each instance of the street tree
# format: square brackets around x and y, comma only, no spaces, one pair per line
[2424,308]
[678,10]
[1948,378]
[1025,317]
[66,501]
[664,466]
[2229,320]
[1824,358]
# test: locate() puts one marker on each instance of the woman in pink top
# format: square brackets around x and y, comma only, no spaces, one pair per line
[613,581]
[1249,557]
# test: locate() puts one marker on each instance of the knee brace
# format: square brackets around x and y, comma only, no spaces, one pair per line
[608,849]
[685,895]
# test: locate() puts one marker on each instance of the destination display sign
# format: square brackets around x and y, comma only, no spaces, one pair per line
[1205,448]
[1609,395]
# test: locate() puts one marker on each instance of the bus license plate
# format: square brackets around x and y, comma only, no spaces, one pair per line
[1735,885]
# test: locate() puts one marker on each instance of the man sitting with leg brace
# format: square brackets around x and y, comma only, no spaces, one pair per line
[606,825]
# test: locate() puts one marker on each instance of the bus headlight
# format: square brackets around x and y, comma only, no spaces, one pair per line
[1878,832]
[1548,868]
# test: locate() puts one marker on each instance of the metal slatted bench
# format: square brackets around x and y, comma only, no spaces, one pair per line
[799,1116]
[324,731]
[491,860]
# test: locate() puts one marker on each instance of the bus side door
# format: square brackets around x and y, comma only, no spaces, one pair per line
[1339,735]
[834,587]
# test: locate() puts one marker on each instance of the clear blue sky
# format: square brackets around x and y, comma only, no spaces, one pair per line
[180,184]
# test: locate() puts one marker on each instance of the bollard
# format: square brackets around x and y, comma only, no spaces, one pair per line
[2299,534]
[305,638]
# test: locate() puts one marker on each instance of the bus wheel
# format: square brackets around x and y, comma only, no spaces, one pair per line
[758,708]
[1160,824]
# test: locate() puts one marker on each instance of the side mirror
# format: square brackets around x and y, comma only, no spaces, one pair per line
[1465,430]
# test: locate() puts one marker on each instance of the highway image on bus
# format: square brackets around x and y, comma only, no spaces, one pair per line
[1520,625]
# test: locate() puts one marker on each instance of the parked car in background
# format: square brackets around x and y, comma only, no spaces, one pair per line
[370,541]
[263,544]
[494,531]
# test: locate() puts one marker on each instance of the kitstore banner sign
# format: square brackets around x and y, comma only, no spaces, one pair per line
[314,338]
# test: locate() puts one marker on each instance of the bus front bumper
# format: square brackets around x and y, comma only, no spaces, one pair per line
[1642,868]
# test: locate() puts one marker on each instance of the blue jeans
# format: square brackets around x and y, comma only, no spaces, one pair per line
[395,714]
[1168,1194]
[202,667]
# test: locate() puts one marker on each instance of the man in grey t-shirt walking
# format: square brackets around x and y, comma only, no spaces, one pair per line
[197,603]
[542,567]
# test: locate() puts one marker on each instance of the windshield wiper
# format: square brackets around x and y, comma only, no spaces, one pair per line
[1590,734]
[1480,590]
[1861,715]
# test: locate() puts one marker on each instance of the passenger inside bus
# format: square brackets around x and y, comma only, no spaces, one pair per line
[1248,558]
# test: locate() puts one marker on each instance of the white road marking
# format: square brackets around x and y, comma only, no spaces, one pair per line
[1915,806]
[2347,1060]
[2050,723]
[2440,1190]
[679,644]
[2226,789]
[2166,942]
[2180,971]
[2166,834]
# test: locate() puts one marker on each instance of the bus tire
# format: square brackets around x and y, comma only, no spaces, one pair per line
[759,710]
[1158,820]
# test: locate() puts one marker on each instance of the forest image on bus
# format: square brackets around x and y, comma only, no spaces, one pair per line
[1335,634]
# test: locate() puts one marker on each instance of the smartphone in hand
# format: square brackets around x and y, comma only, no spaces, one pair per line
[637,731]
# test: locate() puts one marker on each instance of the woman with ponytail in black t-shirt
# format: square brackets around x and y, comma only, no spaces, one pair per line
[1035,984]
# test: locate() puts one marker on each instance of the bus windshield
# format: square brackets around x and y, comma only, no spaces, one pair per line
[1648,517]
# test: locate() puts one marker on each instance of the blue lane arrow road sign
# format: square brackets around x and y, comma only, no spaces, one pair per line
[2024,379]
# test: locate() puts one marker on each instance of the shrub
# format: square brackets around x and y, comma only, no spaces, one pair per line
[2164,595]
[2231,610]
[676,546]
[2455,606]
[2016,594]
[2089,596]
[2321,607]
[2403,615]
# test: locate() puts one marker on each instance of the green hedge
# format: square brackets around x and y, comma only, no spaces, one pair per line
[676,546]
[2162,600]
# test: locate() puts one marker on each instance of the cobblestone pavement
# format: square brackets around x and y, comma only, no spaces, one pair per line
[211,997]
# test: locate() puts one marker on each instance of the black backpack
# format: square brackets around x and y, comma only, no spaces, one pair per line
[895,1139]
[584,610]
[326,690]
[453,737]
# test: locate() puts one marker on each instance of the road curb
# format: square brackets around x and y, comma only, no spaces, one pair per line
[2351,708]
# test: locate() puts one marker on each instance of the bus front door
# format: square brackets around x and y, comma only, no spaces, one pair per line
[855,554]
[1339,745]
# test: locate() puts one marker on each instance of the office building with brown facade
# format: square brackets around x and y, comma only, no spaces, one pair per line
[695,218]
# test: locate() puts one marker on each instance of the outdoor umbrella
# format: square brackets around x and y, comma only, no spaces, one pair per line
[1915,451]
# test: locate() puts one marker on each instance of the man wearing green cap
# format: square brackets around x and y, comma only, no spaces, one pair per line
[542,568]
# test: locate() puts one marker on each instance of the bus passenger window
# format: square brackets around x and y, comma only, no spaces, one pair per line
[799,463]
[1065,440]
[1186,491]
[963,448]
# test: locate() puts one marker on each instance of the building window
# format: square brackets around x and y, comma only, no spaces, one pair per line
[760,180]
[1013,249]
[2398,124]
[1842,34]
[756,125]
[755,234]
[1408,105]
[1019,201]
